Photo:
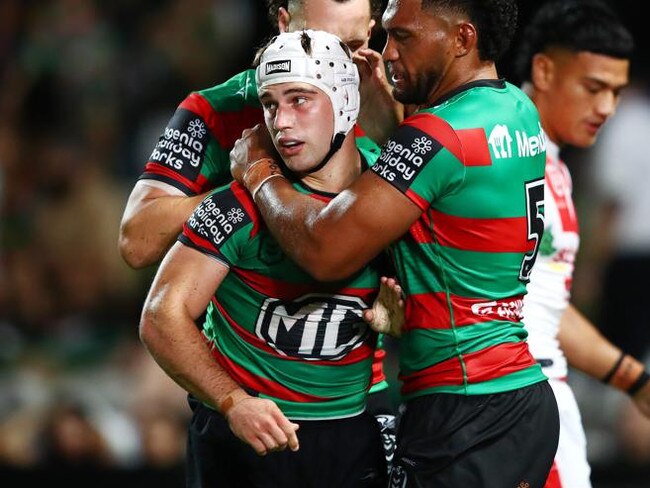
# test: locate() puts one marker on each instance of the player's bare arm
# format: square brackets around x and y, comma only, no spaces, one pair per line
[330,241]
[153,218]
[180,292]
[589,351]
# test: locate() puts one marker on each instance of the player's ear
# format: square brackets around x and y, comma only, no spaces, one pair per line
[284,17]
[465,38]
[541,71]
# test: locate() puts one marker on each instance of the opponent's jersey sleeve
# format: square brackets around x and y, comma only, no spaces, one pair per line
[220,225]
[421,165]
[192,153]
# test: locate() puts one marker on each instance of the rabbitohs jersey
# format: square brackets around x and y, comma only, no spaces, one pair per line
[193,151]
[549,289]
[271,326]
[474,165]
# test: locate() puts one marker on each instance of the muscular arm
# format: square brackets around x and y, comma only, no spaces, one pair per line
[333,241]
[180,292]
[589,351]
[153,218]
[330,241]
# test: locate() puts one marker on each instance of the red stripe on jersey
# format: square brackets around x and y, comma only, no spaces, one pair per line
[431,311]
[553,480]
[284,290]
[475,147]
[358,131]
[196,187]
[226,127]
[199,241]
[438,129]
[418,200]
[470,146]
[361,353]
[378,367]
[500,235]
[261,385]
[484,365]
[558,181]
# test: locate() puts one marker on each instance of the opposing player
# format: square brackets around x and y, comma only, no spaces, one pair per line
[574,57]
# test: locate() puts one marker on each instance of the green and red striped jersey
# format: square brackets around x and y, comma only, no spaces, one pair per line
[192,153]
[474,164]
[272,327]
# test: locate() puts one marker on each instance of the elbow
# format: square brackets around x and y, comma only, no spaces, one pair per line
[323,269]
[134,252]
[148,329]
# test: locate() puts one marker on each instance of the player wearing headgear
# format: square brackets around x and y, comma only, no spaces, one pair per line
[278,350]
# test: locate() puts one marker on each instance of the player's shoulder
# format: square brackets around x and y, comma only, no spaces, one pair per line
[235,93]
[422,135]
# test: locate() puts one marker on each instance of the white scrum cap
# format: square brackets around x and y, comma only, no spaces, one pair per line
[319,59]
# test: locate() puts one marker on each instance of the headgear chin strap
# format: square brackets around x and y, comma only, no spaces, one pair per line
[320,59]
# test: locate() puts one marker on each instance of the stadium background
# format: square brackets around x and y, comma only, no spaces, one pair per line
[86,88]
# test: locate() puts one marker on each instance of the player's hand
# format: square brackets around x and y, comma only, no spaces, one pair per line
[387,313]
[380,113]
[261,424]
[253,145]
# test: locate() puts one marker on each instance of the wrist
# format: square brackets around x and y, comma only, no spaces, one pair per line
[230,399]
[259,173]
[627,374]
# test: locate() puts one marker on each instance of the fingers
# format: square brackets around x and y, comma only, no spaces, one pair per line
[289,430]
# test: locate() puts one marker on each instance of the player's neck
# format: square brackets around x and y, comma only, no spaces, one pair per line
[340,171]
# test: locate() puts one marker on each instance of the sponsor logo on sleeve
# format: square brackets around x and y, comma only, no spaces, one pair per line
[218,217]
[182,145]
[404,155]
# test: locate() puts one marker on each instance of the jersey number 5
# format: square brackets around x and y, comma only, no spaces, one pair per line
[534,224]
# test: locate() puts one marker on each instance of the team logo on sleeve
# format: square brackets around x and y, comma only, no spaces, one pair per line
[182,145]
[218,217]
[313,327]
[404,155]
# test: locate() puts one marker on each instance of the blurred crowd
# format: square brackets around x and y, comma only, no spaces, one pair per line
[86,89]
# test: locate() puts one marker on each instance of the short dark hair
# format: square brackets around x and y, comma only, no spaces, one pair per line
[273,6]
[576,25]
[495,22]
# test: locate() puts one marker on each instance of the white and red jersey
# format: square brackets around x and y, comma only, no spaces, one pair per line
[549,289]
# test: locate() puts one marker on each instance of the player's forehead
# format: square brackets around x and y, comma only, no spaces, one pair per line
[279,91]
[348,20]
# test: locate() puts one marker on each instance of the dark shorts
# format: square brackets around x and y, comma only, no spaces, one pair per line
[500,440]
[381,407]
[333,453]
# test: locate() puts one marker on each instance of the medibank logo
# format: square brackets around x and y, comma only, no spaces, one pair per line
[278,67]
